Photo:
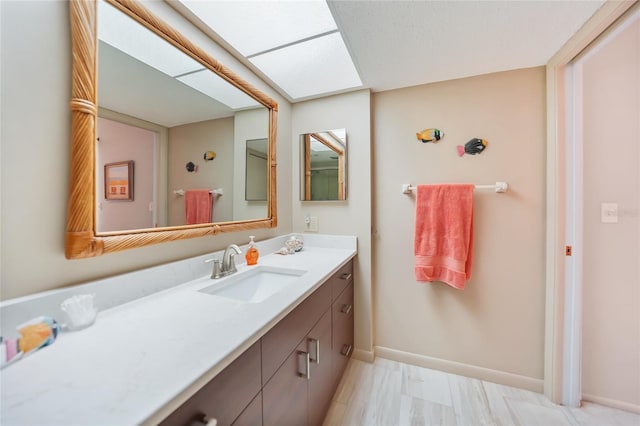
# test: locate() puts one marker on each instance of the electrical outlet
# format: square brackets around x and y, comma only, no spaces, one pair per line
[311,225]
[609,212]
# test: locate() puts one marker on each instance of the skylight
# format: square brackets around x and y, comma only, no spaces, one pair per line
[296,44]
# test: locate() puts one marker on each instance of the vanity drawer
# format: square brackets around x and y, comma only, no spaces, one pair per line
[252,415]
[341,279]
[226,395]
[278,343]
[342,339]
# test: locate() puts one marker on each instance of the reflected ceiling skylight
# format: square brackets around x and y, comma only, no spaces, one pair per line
[120,31]
[296,44]
[211,85]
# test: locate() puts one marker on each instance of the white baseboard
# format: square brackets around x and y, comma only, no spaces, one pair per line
[362,355]
[620,405]
[481,373]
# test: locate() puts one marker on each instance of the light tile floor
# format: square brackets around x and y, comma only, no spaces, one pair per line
[391,393]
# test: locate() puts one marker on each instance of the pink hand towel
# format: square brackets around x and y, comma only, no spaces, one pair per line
[443,241]
[197,203]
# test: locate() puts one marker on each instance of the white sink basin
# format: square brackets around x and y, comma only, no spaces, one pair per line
[255,284]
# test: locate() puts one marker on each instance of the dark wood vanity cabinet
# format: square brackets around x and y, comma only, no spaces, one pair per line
[290,375]
[342,338]
[226,396]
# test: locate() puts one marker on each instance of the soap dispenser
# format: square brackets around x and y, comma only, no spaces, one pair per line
[252,252]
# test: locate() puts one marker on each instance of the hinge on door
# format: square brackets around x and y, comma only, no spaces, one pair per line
[567,250]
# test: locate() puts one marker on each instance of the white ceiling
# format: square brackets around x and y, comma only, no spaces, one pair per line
[393,44]
[397,44]
[405,43]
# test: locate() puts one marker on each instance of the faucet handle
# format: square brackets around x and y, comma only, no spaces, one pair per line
[216,269]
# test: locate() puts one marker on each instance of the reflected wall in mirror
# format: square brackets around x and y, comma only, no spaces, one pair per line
[143,77]
[256,170]
[163,102]
[323,165]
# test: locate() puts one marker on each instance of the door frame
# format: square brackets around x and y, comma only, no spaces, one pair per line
[556,373]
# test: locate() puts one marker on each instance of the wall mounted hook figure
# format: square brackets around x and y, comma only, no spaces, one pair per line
[430,135]
[473,147]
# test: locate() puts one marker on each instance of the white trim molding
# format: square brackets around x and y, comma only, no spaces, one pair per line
[362,355]
[620,405]
[467,370]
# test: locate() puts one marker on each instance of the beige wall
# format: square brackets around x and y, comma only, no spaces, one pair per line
[611,279]
[351,111]
[497,321]
[35,67]
[188,143]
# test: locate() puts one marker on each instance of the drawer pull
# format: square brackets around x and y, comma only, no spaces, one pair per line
[316,351]
[346,309]
[346,276]
[206,421]
[306,373]
[346,350]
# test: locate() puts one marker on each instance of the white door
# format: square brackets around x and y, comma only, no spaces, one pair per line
[119,142]
[603,171]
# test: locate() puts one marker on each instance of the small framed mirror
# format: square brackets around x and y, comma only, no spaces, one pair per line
[323,165]
[256,170]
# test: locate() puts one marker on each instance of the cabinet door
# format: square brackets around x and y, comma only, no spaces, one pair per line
[342,345]
[321,361]
[252,415]
[278,343]
[284,397]
[226,395]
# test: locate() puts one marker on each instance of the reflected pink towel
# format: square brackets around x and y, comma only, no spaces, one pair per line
[197,203]
[444,233]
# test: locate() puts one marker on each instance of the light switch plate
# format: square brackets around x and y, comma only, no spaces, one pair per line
[609,212]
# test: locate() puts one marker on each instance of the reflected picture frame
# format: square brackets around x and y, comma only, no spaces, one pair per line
[118,181]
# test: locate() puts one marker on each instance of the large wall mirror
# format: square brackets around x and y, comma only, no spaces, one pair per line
[323,165]
[143,93]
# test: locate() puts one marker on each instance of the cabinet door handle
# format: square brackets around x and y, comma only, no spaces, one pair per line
[205,421]
[346,276]
[346,350]
[346,309]
[316,351]
[306,373]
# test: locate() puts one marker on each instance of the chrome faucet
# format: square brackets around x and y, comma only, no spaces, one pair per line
[228,265]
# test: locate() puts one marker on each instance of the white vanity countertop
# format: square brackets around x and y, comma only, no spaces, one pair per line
[142,359]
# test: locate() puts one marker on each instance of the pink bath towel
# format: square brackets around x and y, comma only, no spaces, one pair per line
[443,243]
[197,203]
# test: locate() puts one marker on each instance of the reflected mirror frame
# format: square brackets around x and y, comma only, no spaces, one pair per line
[305,165]
[81,239]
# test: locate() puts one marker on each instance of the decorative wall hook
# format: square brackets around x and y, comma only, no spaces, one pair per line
[191,167]
[430,135]
[473,147]
[209,155]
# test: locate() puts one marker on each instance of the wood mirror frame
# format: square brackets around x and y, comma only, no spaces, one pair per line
[81,239]
[306,167]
